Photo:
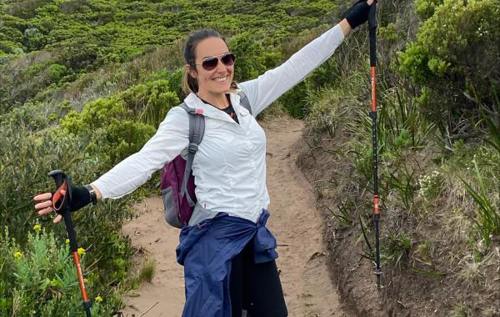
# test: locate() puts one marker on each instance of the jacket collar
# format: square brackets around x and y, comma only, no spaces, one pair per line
[193,101]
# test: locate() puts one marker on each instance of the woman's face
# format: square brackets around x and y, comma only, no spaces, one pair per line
[215,81]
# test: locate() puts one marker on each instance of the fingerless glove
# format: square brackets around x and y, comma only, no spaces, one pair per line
[80,197]
[358,13]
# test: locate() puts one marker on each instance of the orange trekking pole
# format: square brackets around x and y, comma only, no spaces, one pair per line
[61,203]
[372,25]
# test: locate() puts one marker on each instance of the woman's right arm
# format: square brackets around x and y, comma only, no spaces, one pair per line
[168,142]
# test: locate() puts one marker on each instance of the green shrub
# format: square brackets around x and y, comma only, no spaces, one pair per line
[25,8]
[28,158]
[425,8]
[40,279]
[388,33]
[151,101]
[109,130]
[10,47]
[94,115]
[119,140]
[34,39]
[10,34]
[56,72]
[455,57]
[252,57]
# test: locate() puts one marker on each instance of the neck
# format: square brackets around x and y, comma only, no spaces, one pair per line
[216,100]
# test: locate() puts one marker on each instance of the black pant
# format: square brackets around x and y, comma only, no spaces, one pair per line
[255,288]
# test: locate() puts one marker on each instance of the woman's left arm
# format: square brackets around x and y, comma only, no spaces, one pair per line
[269,86]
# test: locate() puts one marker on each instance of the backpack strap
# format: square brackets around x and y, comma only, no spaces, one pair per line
[244,101]
[196,132]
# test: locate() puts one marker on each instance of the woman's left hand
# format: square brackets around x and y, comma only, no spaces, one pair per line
[358,13]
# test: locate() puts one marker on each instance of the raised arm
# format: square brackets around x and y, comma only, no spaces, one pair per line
[269,86]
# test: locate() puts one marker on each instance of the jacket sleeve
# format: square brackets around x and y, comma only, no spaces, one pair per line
[168,142]
[269,86]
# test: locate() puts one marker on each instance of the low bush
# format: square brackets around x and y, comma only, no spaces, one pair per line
[457,48]
[39,278]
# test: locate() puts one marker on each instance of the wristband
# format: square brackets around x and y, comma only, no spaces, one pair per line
[93,195]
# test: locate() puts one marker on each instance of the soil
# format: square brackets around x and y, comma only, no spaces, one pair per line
[296,223]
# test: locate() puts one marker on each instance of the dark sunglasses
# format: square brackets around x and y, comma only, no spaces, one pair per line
[211,62]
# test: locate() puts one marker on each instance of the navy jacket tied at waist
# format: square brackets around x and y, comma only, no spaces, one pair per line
[206,250]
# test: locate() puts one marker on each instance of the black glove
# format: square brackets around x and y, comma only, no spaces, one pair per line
[80,197]
[358,13]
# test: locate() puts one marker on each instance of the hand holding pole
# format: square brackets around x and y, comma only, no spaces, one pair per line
[61,201]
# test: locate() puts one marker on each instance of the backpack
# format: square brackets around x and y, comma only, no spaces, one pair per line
[177,182]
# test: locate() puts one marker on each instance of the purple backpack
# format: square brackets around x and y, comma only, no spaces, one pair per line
[177,182]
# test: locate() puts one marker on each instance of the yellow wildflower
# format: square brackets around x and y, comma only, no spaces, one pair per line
[67,241]
[98,299]
[18,254]
[37,228]
[81,251]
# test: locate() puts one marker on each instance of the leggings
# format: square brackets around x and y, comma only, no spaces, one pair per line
[255,289]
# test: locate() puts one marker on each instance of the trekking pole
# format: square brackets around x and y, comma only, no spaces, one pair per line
[372,24]
[61,204]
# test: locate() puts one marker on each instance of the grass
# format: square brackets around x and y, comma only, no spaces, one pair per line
[396,249]
[147,271]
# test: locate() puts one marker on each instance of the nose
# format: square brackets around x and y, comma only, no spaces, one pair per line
[221,68]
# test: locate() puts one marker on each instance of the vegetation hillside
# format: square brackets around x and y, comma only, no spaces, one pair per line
[439,161]
[84,83]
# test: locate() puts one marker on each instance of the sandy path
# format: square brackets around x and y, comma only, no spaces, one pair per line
[294,221]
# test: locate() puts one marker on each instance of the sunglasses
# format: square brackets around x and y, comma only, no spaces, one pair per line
[210,63]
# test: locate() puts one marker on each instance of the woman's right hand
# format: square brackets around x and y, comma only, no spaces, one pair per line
[80,197]
[43,205]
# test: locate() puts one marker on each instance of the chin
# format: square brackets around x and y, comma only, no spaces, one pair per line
[222,89]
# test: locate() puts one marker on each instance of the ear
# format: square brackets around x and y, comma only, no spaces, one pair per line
[191,71]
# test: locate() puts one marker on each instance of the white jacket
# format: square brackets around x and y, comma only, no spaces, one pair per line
[230,165]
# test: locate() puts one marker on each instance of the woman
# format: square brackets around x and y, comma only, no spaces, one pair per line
[227,252]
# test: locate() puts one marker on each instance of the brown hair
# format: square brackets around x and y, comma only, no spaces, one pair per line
[190,84]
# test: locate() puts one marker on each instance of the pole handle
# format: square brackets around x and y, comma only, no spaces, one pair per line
[61,202]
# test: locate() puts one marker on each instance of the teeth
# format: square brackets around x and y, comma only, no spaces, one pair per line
[220,78]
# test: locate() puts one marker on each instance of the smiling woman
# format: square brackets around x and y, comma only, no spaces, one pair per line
[227,251]
[214,78]
[204,75]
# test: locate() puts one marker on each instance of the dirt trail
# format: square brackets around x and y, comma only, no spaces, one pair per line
[294,221]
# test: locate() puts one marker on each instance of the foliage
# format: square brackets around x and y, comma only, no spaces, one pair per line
[40,279]
[151,100]
[456,47]
[86,35]
[120,64]
[396,249]
[253,58]
[438,138]
[425,8]
[26,159]
[109,130]
[430,185]
[120,125]
[487,214]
